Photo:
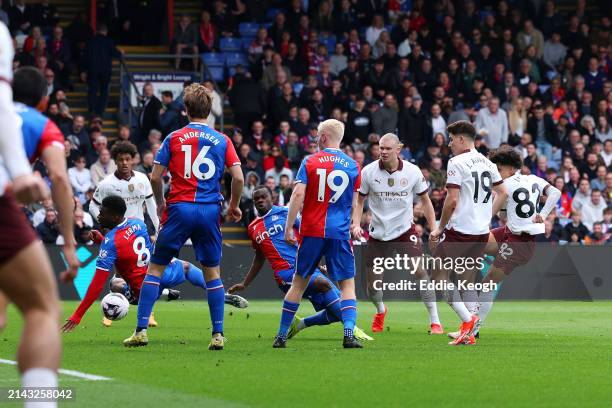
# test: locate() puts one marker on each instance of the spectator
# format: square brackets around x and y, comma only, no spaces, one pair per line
[216,109]
[155,136]
[149,117]
[554,52]
[542,127]
[45,15]
[60,55]
[373,31]
[20,17]
[247,99]
[599,182]
[414,131]
[81,229]
[4,16]
[104,166]
[99,54]
[279,170]
[606,155]
[359,122]
[384,120]
[48,230]
[530,36]
[77,135]
[603,131]
[169,115]
[39,215]
[575,231]
[495,121]
[593,209]
[549,234]
[438,124]
[284,190]
[146,164]
[597,237]
[185,39]
[338,61]
[208,32]
[80,178]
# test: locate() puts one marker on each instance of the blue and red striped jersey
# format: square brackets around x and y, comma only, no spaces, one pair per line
[331,178]
[128,248]
[39,132]
[196,157]
[268,235]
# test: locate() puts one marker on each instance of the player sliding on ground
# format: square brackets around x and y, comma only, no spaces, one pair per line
[196,157]
[266,232]
[513,245]
[390,184]
[135,189]
[326,186]
[127,247]
[463,230]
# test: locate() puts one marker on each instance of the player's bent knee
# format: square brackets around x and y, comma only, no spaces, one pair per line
[117,285]
[322,285]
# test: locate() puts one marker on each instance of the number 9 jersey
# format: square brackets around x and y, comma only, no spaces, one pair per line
[196,157]
[128,248]
[331,178]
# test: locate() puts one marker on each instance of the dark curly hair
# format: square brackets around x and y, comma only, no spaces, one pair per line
[123,148]
[506,156]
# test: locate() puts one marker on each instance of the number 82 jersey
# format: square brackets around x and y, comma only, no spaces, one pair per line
[524,192]
[196,156]
[128,248]
[331,178]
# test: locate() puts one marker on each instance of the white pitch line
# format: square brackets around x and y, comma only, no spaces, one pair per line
[72,373]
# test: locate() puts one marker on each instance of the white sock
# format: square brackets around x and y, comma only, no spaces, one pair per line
[486,303]
[165,292]
[301,325]
[470,298]
[39,377]
[458,306]
[429,299]
[380,307]
[142,331]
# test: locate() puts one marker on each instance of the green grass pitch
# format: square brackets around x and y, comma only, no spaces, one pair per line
[530,354]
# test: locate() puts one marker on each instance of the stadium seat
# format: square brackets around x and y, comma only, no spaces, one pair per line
[266,25]
[272,12]
[297,88]
[217,73]
[248,29]
[330,43]
[230,44]
[246,43]
[213,59]
[236,58]
[362,31]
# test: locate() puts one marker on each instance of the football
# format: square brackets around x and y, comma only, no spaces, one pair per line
[115,306]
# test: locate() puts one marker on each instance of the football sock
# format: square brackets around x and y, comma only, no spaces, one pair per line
[289,310]
[195,276]
[349,315]
[486,303]
[429,299]
[148,296]
[321,318]
[380,307]
[458,306]
[470,298]
[332,303]
[39,377]
[125,291]
[216,303]
[376,296]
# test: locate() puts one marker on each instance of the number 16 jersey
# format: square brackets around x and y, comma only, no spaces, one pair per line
[196,156]
[475,176]
[331,178]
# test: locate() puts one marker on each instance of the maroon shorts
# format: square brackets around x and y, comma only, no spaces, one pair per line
[513,250]
[16,232]
[455,244]
[407,243]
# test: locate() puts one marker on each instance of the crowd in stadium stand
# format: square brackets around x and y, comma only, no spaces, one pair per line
[525,75]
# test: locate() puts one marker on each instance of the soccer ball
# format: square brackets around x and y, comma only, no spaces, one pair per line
[115,306]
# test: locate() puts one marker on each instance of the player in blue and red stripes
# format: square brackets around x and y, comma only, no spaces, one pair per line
[127,248]
[196,157]
[266,233]
[326,186]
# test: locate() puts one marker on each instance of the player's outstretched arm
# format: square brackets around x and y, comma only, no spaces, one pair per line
[256,265]
[552,197]
[93,292]
[152,211]
[157,185]
[450,203]
[501,196]
[295,204]
[358,201]
[61,191]
[237,185]
[430,213]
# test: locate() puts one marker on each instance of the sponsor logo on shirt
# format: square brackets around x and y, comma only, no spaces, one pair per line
[273,230]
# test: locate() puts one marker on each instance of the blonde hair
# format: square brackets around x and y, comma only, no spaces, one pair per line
[333,128]
[198,101]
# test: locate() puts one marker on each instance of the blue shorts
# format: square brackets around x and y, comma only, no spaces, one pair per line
[174,275]
[200,222]
[339,257]
[311,293]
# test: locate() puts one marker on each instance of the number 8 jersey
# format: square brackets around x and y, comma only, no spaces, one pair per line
[475,175]
[196,156]
[331,178]
[128,248]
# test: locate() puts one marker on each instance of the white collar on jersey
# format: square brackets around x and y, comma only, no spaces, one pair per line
[122,223]
[198,123]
